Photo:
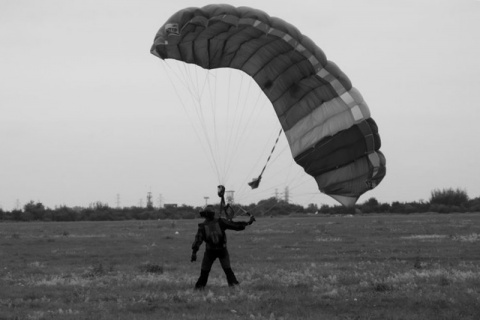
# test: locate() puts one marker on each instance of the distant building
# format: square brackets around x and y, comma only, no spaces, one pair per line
[170,205]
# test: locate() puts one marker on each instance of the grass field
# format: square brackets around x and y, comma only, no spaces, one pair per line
[329,267]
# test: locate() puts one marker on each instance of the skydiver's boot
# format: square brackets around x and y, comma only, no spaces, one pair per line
[202,280]
[231,279]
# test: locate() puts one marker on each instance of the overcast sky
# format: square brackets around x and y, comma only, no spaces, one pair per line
[87,113]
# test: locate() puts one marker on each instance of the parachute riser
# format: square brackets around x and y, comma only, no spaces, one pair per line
[226,209]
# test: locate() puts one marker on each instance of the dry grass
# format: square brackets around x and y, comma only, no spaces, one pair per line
[361,267]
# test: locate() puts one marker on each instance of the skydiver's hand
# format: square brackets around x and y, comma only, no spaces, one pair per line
[194,257]
[220,191]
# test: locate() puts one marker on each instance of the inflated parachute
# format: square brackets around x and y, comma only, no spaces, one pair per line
[326,121]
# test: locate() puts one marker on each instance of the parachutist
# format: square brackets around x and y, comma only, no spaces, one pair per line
[212,232]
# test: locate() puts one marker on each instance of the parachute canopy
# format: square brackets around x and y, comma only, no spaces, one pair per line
[326,121]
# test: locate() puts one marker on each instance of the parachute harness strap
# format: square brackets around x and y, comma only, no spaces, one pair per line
[256,182]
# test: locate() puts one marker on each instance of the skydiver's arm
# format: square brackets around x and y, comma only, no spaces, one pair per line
[232,225]
[199,238]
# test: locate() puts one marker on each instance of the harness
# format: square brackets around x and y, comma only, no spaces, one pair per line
[214,236]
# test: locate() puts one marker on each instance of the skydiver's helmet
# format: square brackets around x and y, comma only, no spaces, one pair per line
[208,212]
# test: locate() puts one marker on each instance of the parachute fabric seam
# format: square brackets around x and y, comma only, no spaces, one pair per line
[282,76]
[272,59]
[303,98]
[296,134]
[294,43]
[253,54]
[289,109]
[334,174]
[346,104]
[332,152]
[281,79]
[375,160]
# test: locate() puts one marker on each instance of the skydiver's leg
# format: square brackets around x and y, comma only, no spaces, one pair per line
[207,261]
[202,280]
[232,280]
[224,258]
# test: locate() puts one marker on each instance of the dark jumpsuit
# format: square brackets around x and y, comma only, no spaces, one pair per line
[212,231]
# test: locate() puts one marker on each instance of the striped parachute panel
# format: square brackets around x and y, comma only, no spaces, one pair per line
[326,121]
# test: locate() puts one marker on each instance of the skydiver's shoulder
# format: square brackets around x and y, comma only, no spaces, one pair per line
[205,222]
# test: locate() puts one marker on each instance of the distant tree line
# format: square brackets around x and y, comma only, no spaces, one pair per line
[441,201]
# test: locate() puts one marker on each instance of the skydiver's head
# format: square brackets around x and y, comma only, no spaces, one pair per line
[208,213]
